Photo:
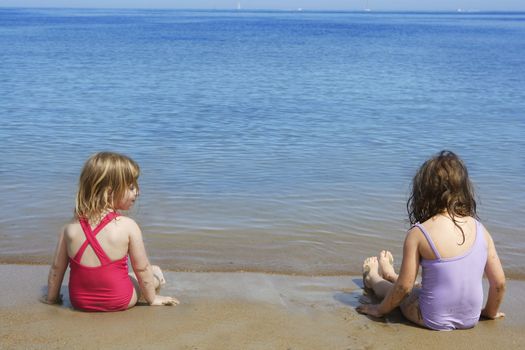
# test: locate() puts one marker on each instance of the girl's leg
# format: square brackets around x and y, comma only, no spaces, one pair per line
[158,280]
[136,290]
[373,280]
[410,307]
[386,266]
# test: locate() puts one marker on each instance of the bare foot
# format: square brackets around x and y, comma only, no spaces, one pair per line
[386,266]
[157,273]
[370,268]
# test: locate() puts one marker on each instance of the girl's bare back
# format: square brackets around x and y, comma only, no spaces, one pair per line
[450,242]
[113,238]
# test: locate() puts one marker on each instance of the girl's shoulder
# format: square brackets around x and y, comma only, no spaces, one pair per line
[442,220]
[439,224]
[118,223]
[125,223]
[71,227]
[124,220]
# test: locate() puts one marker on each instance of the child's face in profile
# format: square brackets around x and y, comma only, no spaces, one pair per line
[129,198]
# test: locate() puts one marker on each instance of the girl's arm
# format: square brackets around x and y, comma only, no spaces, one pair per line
[142,268]
[56,272]
[407,274]
[496,277]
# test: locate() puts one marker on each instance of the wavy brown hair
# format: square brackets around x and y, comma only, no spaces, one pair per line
[442,184]
[103,182]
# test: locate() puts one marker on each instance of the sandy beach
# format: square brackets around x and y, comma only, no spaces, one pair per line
[236,311]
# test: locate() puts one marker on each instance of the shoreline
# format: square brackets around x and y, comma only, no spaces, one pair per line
[236,311]
[510,276]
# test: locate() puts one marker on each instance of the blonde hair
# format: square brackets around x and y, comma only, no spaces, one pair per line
[442,184]
[103,182]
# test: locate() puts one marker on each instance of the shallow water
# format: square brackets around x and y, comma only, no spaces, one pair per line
[268,141]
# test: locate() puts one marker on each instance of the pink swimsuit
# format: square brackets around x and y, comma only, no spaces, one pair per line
[106,287]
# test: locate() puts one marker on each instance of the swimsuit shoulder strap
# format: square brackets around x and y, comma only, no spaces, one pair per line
[429,240]
[480,235]
[92,241]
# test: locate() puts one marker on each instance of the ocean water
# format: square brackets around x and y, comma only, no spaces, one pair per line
[269,141]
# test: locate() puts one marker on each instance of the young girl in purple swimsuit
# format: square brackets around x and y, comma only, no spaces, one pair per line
[453,249]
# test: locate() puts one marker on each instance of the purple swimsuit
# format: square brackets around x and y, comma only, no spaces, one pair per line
[452,292]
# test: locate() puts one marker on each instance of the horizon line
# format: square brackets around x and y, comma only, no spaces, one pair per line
[232,9]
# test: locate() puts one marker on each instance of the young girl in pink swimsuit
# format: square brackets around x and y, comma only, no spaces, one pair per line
[97,242]
[453,249]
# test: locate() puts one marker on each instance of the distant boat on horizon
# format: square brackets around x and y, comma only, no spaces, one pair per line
[367,8]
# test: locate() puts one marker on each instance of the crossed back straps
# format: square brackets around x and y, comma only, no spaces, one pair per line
[91,239]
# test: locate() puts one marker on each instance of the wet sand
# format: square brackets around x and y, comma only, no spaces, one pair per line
[236,311]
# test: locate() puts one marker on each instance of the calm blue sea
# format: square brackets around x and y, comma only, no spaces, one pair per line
[269,141]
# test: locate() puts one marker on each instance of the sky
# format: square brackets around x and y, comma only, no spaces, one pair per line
[378,5]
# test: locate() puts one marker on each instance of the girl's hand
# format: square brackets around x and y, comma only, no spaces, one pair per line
[369,309]
[45,300]
[160,300]
[498,314]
